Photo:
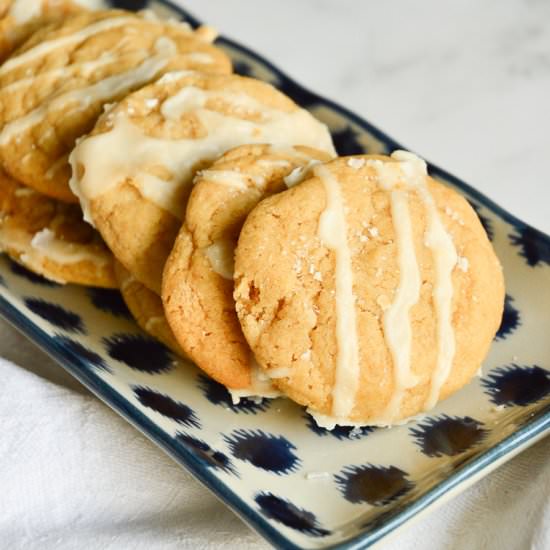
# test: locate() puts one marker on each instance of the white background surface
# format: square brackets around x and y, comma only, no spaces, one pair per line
[465,84]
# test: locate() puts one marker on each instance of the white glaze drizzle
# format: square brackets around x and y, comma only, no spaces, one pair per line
[25,10]
[440,242]
[44,48]
[299,174]
[333,234]
[260,386]
[127,152]
[396,322]
[100,91]
[199,57]
[437,239]
[329,422]
[221,255]
[85,68]
[228,178]
[273,163]
[33,250]
[410,174]
[281,372]
[63,252]
[241,180]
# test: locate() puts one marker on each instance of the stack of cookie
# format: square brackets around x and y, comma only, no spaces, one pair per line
[53,88]
[356,286]
[19,19]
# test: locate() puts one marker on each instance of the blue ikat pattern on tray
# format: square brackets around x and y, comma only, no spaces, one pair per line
[288,514]
[23,272]
[165,405]
[56,315]
[210,457]
[109,301]
[141,353]
[517,385]
[375,485]
[81,352]
[511,319]
[273,453]
[445,435]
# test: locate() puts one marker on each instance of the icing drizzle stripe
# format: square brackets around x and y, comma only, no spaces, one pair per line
[44,48]
[260,386]
[408,174]
[228,178]
[438,240]
[445,257]
[332,231]
[397,323]
[84,97]
[220,254]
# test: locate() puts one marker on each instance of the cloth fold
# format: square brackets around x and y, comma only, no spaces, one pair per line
[75,475]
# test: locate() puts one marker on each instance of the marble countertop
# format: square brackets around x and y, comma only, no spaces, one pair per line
[465,84]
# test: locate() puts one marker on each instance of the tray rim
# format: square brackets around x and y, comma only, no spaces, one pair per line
[464,476]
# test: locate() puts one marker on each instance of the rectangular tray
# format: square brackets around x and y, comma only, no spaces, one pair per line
[301,499]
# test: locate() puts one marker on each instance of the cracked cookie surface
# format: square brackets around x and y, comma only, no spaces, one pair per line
[341,285]
[198,277]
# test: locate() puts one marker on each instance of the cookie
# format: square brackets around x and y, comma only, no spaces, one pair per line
[153,141]
[19,19]
[368,292]
[146,307]
[198,277]
[51,238]
[54,87]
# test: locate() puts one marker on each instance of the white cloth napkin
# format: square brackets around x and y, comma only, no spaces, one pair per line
[75,475]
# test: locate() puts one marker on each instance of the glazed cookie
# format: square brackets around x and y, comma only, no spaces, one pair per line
[146,307]
[19,19]
[50,238]
[151,144]
[198,277]
[368,292]
[54,87]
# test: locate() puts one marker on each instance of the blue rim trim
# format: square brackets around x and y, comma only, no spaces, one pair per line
[531,431]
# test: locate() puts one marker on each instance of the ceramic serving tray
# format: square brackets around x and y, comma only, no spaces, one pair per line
[300,486]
